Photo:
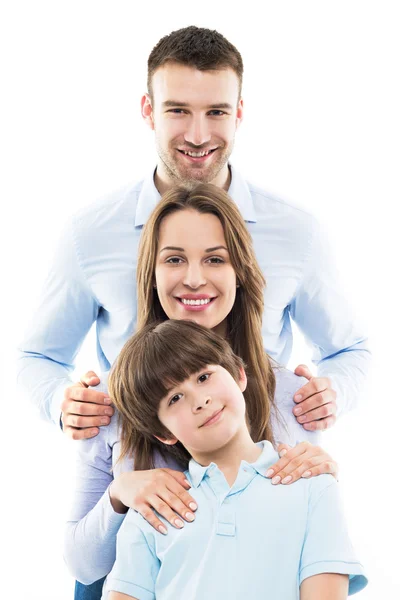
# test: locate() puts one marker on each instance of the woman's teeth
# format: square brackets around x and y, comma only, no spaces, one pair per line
[195,302]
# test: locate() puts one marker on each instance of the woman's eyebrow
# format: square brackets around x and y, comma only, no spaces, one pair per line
[216,248]
[177,249]
[172,248]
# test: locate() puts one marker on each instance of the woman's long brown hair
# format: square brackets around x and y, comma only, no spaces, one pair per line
[244,322]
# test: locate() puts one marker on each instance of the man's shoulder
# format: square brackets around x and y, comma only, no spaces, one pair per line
[116,206]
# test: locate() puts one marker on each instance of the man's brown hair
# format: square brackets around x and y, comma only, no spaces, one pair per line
[200,48]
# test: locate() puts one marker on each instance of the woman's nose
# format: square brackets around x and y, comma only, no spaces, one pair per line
[194,277]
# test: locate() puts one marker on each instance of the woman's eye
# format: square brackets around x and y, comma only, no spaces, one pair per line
[174,260]
[204,377]
[175,399]
[215,260]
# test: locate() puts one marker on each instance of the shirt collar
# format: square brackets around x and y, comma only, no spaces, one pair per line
[238,191]
[267,458]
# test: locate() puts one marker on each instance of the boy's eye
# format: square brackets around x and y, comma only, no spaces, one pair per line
[174,399]
[204,377]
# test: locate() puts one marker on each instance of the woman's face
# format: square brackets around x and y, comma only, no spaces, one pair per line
[194,276]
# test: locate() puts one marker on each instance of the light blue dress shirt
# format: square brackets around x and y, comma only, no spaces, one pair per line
[253,540]
[93,279]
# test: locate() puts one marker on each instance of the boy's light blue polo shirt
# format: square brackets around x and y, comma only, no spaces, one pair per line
[253,540]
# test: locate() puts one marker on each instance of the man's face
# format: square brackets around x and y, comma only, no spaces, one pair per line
[195,115]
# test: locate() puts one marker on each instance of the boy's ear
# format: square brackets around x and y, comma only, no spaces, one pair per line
[168,441]
[242,380]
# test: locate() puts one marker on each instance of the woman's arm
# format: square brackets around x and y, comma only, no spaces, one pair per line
[329,586]
[119,596]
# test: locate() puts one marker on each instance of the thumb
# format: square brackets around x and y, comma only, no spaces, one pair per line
[282,449]
[303,371]
[90,378]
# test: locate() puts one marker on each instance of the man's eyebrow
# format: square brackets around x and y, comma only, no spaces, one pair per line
[173,104]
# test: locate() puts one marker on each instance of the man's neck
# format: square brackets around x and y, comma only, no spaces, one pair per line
[229,457]
[164,182]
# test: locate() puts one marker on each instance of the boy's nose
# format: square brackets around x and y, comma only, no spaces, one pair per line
[202,403]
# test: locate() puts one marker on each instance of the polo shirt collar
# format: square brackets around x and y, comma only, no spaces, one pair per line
[238,191]
[267,458]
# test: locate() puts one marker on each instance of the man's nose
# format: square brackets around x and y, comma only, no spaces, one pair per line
[198,131]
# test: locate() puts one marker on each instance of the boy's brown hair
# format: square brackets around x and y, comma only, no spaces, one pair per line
[157,358]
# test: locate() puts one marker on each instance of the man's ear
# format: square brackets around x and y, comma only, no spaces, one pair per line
[168,441]
[242,383]
[239,113]
[147,110]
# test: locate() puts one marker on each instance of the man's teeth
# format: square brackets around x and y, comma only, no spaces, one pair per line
[197,154]
[196,302]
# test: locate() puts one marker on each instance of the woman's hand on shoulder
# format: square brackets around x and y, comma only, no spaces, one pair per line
[302,460]
[161,490]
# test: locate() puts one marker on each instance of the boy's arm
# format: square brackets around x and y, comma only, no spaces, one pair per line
[329,586]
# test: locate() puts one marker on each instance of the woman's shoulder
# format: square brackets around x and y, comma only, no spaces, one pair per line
[287,382]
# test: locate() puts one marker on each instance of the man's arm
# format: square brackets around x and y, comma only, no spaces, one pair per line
[326,319]
[66,312]
[329,586]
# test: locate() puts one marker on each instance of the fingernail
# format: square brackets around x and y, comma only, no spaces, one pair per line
[105,420]
[306,474]
[107,400]
[178,523]
[302,419]
[297,411]
[93,432]
[269,473]
[276,479]
[193,506]
[162,529]
[108,411]
[287,479]
[298,397]
[189,517]
[282,452]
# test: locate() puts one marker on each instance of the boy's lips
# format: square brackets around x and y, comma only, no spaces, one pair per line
[213,418]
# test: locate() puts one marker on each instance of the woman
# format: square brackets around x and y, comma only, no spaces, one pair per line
[196,261]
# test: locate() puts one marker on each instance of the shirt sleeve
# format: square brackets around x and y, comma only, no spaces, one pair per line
[90,535]
[327,547]
[136,567]
[66,311]
[326,319]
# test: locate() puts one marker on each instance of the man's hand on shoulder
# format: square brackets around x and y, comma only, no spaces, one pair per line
[84,410]
[316,401]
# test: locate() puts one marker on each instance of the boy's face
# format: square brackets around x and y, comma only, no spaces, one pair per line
[206,411]
[193,111]
[193,266]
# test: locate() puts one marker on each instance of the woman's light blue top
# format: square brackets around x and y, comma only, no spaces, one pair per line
[253,540]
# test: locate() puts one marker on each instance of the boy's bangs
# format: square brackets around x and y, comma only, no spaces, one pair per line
[173,359]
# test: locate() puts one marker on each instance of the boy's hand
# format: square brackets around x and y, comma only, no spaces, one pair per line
[161,490]
[316,401]
[304,460]
[84,410]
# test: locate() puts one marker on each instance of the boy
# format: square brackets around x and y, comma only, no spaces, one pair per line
[180,389]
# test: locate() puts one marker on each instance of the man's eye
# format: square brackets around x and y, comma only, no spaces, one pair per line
[204,377]
[176,111]
[217,113]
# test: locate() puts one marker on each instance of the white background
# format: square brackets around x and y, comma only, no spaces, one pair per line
[321,129]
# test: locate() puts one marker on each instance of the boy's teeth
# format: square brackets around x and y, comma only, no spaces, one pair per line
[196,302]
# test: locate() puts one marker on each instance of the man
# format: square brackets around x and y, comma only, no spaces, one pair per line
[194,106]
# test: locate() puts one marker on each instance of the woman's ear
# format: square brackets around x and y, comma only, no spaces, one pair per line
[242,380]
[168,441]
